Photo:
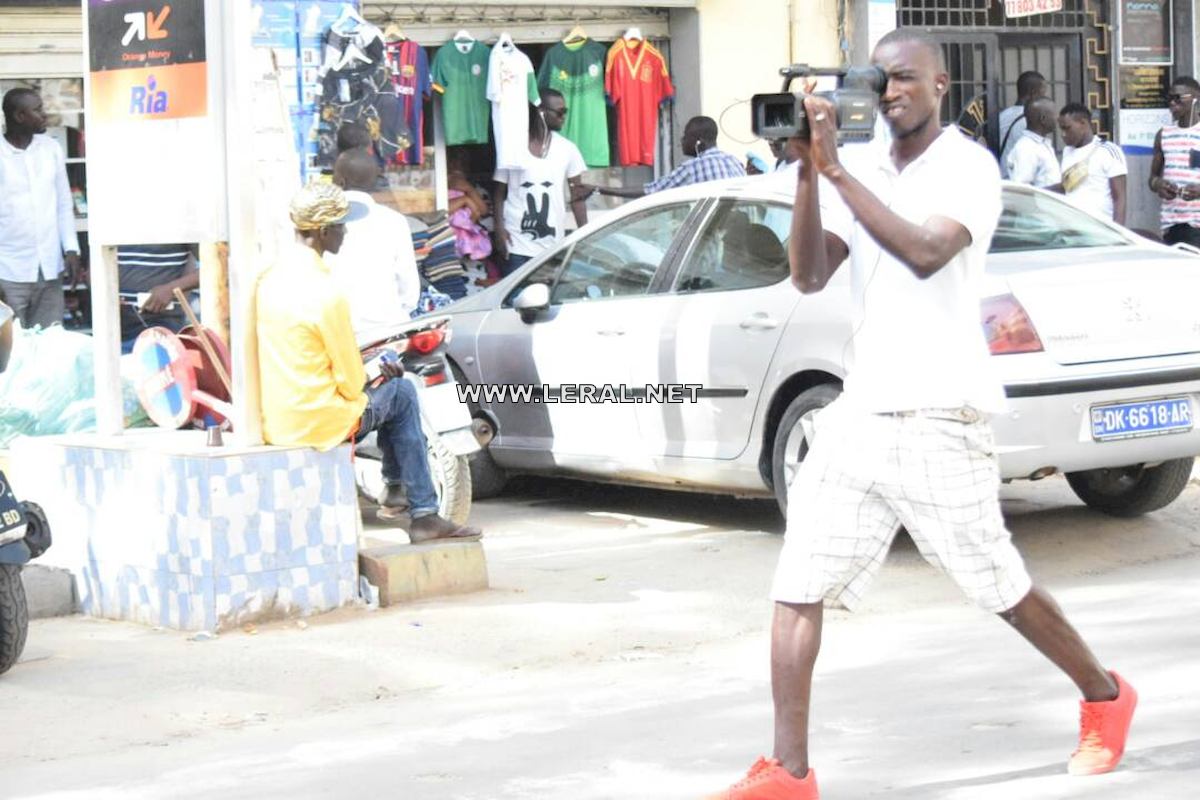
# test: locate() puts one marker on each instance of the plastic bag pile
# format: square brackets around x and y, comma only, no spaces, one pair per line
[48,387]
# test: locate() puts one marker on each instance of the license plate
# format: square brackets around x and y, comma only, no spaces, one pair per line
[11,515]
[1147,418]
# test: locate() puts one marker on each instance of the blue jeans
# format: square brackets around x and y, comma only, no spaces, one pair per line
[394,411]
[513,263]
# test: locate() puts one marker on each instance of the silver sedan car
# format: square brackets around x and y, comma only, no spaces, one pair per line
[1095,335]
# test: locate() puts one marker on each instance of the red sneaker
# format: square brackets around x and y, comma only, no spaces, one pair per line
[1103,728]
[768,780]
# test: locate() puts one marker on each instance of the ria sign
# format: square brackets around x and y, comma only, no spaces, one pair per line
[147,59]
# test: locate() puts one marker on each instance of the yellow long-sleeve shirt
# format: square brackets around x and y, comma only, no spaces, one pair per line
[310,368]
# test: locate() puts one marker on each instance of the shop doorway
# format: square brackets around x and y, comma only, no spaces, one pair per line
[989,64]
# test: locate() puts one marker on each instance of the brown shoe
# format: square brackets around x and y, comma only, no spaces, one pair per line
[434,528]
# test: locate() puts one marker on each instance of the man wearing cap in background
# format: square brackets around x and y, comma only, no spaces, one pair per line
[311,371]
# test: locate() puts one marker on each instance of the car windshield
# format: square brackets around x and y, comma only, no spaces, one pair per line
[1036,221]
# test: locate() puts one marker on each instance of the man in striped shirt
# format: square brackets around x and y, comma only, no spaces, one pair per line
[1175,168]
[709,164]
[155,270]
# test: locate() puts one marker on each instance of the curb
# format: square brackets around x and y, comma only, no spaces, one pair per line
[50,591]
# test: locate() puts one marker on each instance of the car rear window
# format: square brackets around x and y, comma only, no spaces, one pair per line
[1036,221]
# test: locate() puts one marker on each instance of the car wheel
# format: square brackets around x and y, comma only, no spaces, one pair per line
[1131,491]
[791,446]
[488,478]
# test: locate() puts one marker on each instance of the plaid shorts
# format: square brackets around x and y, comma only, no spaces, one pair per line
[932,471]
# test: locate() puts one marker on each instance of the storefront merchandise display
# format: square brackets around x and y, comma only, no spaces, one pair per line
[413,86]
[575,67]
[511,88]
[356,86]
[637,82]
[460,75]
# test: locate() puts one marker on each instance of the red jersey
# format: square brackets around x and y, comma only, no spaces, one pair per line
[637,83]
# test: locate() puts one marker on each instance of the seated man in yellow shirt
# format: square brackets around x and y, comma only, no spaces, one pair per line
[312,374]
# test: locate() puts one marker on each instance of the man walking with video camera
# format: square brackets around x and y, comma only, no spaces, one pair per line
[908,443]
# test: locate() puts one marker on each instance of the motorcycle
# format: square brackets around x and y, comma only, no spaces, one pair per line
[24,535]
[451,434]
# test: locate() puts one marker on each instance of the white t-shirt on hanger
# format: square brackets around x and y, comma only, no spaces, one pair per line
[512,86]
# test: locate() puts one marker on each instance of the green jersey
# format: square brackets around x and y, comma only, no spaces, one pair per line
[461,78]
[577,70]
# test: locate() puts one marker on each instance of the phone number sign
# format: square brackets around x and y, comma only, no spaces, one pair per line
[1028,8]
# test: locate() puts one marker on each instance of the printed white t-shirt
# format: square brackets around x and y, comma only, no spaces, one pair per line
[511,86]
[1033,162]
[1086,174]
[535,209]
[919,344]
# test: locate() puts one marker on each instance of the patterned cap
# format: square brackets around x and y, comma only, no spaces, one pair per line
[317,206]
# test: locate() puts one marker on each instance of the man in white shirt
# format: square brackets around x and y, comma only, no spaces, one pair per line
[1032,160]
[1030,86]
[908,443]
[1093,170]
[376,265]
[530,202]
[37,215]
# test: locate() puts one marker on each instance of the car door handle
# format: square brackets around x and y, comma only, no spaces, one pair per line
[611,332]
[758,322]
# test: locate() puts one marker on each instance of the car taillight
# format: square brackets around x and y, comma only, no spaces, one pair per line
[426,342]
[435,379]
[1007,327]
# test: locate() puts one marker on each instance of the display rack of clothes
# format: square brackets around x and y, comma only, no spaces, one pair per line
[357,86]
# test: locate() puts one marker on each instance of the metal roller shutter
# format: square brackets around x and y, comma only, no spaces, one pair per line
[41,42]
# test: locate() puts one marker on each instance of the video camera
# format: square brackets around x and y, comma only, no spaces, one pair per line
[781,116]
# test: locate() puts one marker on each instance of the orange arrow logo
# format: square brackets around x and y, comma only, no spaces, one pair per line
[154,28]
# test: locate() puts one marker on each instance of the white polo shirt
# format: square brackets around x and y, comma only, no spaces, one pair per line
[1086,174]
[917,343]
[37,213]
[1032,161]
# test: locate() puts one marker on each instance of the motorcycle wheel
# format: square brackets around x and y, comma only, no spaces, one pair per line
[14,616]
[452,479]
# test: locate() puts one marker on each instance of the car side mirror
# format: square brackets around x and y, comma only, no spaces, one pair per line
[533,298]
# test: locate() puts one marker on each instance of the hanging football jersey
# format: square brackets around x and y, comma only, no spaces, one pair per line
[460,75]
[577,70]
[637,83]
[511,88]
[413,84]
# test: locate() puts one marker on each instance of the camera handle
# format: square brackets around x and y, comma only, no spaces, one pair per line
[793,71]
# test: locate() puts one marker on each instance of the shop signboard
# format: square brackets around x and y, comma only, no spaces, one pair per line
[1143,107]
[1145,32]
[147,59]
[1028,8]
[155,121]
